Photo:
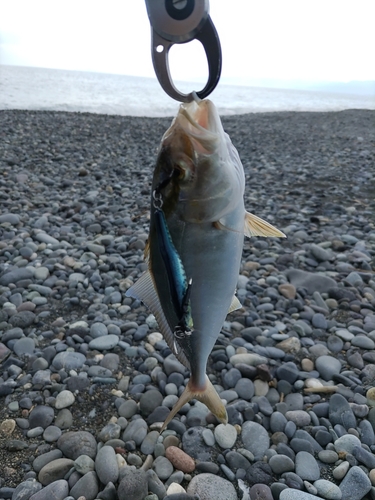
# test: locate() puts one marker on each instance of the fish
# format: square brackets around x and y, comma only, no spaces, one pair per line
[197,226]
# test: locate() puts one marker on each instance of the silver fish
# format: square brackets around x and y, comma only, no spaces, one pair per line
[198,222]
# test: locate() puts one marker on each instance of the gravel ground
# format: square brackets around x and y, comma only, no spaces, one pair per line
[85,377]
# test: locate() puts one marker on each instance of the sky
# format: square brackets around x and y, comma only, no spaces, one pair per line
[305,40]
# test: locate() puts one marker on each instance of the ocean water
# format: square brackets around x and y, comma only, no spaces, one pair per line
[61,90]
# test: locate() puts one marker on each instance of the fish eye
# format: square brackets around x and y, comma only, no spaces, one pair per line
[179,173]
[184,169]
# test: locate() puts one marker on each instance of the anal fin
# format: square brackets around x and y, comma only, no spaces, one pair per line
[144,290]
[235,304]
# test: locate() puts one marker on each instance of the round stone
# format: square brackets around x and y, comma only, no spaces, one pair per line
[255,438]
[327,490]
[346,443]
[74,444]
[133,485]
[281,463]
[328,366]
[128,408]
[41,416]
[57,469]
[52,433]
[104,343]
[163,467]
[84,464]
[64,399]
[307,467]
[208,486]
[340,471]
[355,484]
[106,465]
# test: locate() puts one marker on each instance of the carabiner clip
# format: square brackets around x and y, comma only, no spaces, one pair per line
[181,21]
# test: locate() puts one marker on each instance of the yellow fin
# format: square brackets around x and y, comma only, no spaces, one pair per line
[208,396]
[144,290]
[255,226]
[235,304]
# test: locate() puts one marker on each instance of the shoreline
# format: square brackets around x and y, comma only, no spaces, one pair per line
[41,89]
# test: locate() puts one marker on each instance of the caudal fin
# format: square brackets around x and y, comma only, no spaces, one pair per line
[208,396]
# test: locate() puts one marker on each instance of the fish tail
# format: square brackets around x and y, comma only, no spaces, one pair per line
[207,395]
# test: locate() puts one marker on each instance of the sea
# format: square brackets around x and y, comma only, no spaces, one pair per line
[31,88]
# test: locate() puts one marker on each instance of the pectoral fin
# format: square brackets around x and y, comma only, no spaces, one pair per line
[145,291]
[255,226]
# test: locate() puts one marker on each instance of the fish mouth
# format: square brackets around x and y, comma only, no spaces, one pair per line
[196,128]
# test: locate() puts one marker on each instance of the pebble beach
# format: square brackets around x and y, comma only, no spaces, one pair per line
[86,379]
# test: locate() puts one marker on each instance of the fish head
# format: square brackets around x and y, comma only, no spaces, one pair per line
[198,169]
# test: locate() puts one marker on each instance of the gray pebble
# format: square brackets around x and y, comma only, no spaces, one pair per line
[280,464]
[106,465]
[136,431]
[51,433]
[57,469]
[355,484]
[104,343]
[109,431]
[340,412]
[73,444]
[162,467]
[340,471]
[208,437]
[328,456]
[363,456]
[327,366]
[299,417]
[24,345]
[171,364]
[41,416]
[255,439]
[40,461]
[208,486]
[346,443]
[84,464]
[128,408]
[278,422]
[58,490]
[312,282]
[87,486]
[149,401]
[194,445]
[68,360]
[306,466]
[149,442]
[363,342]
[245,389]
[319,321]
[26,489]
[288,371]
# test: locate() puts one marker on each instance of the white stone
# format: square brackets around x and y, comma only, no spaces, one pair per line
[225,435]
[175,488]
[64,399]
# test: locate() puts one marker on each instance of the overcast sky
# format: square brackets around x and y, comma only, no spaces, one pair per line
[310,40]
